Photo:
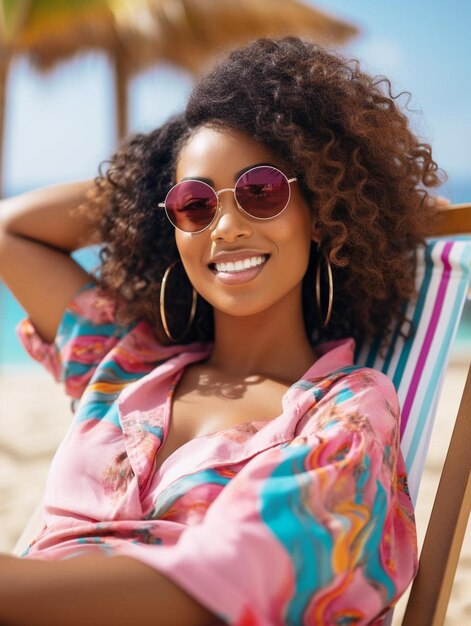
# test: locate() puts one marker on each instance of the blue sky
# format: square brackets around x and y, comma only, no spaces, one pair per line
[60,126]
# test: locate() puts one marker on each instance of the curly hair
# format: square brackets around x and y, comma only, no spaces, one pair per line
[361,169]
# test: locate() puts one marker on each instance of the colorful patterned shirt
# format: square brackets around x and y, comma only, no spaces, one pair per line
[301,520]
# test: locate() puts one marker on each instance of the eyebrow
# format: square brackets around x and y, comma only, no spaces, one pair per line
[237,175]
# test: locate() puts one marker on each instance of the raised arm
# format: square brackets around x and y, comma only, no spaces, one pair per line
[38,231]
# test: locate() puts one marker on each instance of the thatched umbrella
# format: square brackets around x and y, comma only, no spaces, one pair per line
[138,33]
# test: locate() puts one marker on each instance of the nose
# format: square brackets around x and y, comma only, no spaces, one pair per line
[230,223]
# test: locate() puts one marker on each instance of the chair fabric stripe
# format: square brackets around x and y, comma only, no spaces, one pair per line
[417,449]
[395,336]
[431,329]
[416,318]
[372,354]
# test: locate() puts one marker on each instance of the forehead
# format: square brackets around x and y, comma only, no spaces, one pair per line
[216,153]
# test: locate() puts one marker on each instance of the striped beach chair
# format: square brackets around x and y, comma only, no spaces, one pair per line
[417,368]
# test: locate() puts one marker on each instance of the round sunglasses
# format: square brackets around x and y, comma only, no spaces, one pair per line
[263,192]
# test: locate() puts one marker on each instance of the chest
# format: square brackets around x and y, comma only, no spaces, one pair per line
[204,403]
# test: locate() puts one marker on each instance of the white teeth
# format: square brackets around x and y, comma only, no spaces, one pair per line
[240,266]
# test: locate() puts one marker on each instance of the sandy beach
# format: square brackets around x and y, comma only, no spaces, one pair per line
[35,414]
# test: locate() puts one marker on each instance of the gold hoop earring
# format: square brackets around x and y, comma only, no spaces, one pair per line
[318,290]
[162,306]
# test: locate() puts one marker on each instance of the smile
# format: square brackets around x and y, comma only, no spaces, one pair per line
[240,271]
[240,266]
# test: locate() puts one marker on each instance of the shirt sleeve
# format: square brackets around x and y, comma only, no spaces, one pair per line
[319,530]
[86,333]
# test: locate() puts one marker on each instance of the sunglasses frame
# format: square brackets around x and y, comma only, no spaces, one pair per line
[219,205]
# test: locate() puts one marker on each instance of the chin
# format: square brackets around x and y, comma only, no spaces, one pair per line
[239,306]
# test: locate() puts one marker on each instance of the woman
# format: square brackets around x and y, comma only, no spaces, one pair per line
[225,450]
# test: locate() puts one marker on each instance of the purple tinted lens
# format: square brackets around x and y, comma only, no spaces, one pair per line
[263,192]
[191,205]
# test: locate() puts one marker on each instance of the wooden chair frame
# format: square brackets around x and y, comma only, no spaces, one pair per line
[431,589]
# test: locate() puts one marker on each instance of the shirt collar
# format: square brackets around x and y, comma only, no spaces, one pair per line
[137,407]
[332,355]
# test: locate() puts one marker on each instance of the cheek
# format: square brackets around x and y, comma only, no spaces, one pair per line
[187,244]
[180,240]
[191,250]
[293,233]
[294,248]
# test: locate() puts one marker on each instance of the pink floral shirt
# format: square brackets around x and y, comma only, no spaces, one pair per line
[300,520]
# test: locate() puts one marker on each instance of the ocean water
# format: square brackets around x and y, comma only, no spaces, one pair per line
[13,355]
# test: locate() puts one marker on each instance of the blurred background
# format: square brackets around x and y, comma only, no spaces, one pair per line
[76,76]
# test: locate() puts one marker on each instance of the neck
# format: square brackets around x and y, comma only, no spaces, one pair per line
[273,342]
